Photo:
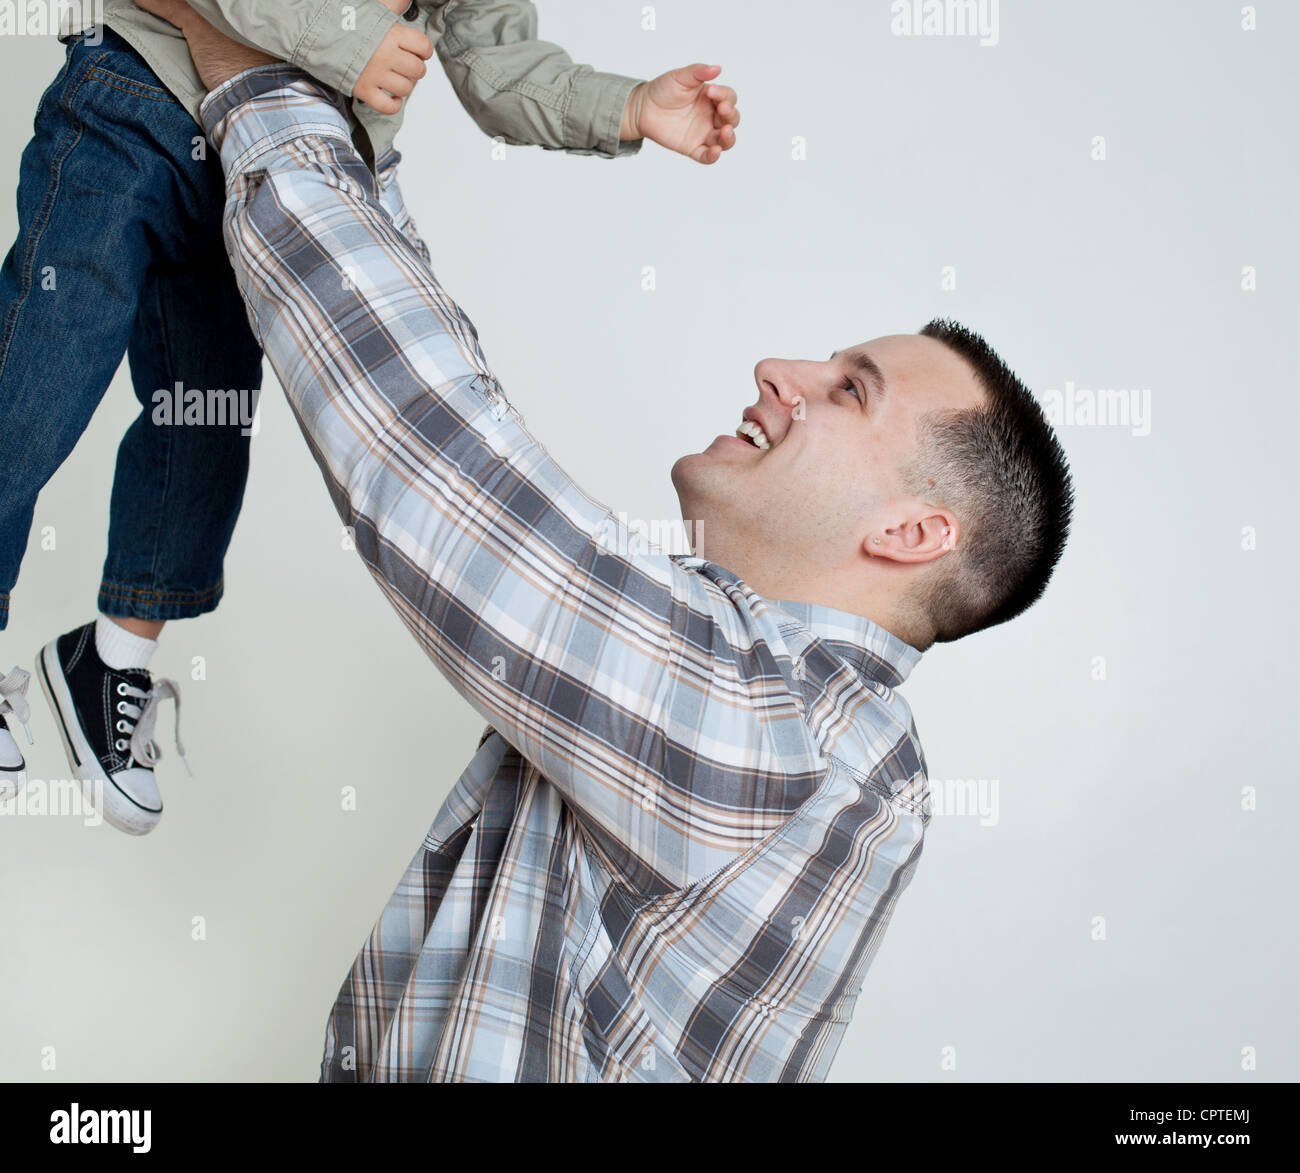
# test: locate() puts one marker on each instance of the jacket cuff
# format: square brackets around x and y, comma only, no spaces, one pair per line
[593,116]
[317,52]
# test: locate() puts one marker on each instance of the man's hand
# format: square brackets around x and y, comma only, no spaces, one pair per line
[396,66]
[680,110]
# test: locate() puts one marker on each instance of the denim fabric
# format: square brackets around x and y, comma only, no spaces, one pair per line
[119,250]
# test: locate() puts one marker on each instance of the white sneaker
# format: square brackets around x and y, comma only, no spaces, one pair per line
[13,703]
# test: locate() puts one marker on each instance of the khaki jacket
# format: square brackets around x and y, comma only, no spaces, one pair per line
[525,91]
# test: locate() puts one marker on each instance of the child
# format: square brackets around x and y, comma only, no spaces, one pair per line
[119,249]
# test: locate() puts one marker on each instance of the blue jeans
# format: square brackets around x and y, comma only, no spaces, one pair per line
[119,250]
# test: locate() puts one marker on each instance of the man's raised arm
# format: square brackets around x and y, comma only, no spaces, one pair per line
[645,693]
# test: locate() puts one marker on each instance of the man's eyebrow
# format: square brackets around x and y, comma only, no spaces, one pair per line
[867,366]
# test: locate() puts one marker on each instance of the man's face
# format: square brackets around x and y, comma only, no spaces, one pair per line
[840,435]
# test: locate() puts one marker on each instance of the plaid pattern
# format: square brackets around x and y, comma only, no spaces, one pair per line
[685,830]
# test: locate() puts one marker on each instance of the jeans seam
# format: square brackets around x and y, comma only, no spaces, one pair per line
[154,94]
[60,156]
[129,594]
[168,358]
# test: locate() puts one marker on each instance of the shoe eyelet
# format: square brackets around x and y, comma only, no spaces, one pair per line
[120,746]
[123,727]
[121,688]
[121,706]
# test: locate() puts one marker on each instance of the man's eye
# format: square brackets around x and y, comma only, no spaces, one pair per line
[851,386]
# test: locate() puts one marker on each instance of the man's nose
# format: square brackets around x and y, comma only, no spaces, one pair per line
[779,379]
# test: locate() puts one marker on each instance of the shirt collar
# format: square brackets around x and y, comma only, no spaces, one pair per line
[877,653]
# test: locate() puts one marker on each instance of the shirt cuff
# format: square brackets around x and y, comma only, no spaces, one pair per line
[593,117]
[258,110]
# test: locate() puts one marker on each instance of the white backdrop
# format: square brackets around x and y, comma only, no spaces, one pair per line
[1117,725]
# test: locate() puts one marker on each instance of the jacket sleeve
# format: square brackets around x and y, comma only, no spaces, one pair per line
[333,40]
[525,91]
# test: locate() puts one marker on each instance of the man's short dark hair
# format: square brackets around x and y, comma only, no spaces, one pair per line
[1000,468]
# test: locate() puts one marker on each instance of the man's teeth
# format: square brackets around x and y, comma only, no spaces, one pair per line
[751,431]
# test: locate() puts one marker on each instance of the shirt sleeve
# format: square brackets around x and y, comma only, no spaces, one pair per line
[527,91]
[333,40]
[645,692]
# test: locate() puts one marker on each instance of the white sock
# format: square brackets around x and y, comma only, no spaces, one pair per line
[121,649]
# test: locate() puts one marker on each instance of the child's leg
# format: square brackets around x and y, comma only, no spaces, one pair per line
[69,285]
[120,243]
[183,463]
[110,201]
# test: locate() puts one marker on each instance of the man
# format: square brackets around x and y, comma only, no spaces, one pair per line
[700,795]
[119,249]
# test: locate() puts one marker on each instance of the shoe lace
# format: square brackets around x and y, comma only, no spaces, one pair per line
[13,699]
[144,717]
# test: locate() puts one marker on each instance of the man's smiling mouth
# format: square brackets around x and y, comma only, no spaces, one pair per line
[753,432]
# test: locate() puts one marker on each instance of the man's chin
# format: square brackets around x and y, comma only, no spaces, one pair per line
[683,470]
[720,461]
[698,478]
[703,493]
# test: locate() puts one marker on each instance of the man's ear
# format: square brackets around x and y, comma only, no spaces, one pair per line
[928,534]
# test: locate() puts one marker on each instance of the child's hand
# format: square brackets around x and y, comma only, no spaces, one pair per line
[396,66]
[681,111]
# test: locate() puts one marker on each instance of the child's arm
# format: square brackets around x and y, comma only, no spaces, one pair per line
[530,93]
[359,48]
[525,91]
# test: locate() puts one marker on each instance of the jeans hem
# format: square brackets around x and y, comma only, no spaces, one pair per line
[122,601]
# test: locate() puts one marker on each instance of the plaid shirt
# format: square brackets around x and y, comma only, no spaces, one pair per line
[686,828]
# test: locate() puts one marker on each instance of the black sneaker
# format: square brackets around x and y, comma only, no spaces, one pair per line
[13,704]
[106,719]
